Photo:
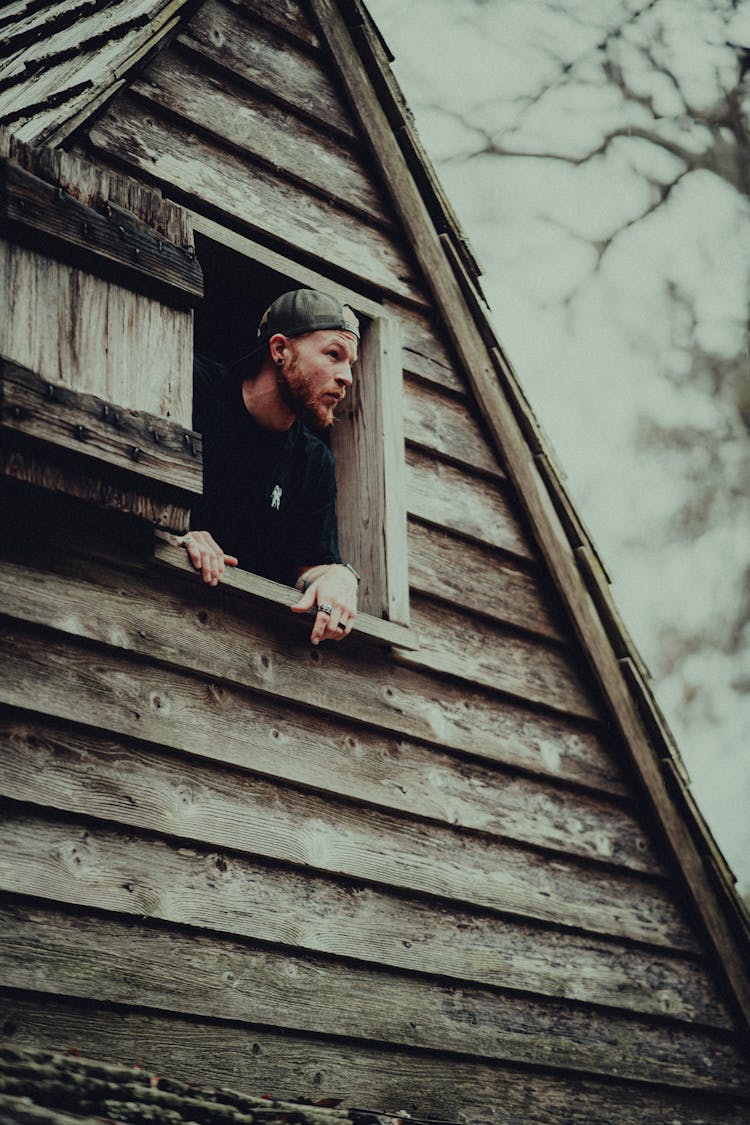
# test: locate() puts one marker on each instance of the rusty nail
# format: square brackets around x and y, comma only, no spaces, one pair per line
[135,453]
[49,393]
[137,252]
[121,232]
[105,412]
[80,432]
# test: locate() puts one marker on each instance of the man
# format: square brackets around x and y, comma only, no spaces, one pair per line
[269,484]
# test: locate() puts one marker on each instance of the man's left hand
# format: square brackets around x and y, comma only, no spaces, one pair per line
[333,590]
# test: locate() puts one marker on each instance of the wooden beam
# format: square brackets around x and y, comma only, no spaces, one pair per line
[109,241]
[45,416]
[729,942]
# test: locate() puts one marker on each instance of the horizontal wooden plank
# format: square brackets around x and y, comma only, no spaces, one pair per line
[137,788]
[101,960]
[258,589]
[107,241]
[39,474]
[483,652]
[134,698]
[149,449]
[433,372]
[424,336]
[407,780]
[289,16]
[196,628]
[195,171]
[251,125]
[399,702]
[97,867]
[479,579]
[479,509]
[295,1067]
[440,423]
[258,54]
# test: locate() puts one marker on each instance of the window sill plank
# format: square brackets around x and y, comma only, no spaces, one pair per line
[247,585]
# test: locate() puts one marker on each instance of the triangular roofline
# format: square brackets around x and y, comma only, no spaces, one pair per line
[449,268]
[451,273]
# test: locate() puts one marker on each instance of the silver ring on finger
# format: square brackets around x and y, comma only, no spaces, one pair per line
[324,607]
[186,541]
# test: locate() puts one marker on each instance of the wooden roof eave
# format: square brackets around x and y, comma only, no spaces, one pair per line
[450,272]
[60,113]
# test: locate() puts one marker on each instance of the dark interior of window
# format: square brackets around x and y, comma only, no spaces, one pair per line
[237,293]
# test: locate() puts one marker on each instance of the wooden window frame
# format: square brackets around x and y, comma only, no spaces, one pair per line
[368,445]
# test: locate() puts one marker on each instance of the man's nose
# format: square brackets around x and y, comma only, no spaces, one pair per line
[344,376]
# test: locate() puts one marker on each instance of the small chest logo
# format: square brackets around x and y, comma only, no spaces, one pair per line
[276,497]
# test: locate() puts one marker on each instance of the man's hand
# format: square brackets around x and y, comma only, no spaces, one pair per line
[206,555]
[333,589]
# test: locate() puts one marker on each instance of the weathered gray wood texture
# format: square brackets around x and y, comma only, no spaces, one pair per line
[421,880]
[72,327]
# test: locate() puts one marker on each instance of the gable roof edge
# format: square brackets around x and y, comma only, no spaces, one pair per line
[451,274]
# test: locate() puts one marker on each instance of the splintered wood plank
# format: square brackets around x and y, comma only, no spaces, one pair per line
[97,959]
[477,578]
[404,778]
[294,1066]
[101,867]
[260,55]
[247,651]
[248,123]
[259,818]
[483,652]
[441,424]
[479,509]
[189,166]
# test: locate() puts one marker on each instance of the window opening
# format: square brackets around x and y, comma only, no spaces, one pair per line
[368,451]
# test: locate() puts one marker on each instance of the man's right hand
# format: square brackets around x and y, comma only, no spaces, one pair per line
[206,555]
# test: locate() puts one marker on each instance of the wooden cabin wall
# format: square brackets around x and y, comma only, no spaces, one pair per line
[418,882]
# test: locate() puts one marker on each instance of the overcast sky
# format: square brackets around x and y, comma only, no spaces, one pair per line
[579,142]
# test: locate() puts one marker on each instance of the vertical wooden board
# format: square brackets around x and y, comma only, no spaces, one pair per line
[369,467]
[94,336]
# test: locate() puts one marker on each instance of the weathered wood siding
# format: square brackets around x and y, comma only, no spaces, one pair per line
[419,881]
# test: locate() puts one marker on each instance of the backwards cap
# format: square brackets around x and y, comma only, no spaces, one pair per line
[305,310]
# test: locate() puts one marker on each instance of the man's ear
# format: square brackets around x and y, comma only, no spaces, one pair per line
[277,347]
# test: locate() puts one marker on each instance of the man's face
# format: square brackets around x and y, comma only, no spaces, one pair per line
[316,374]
